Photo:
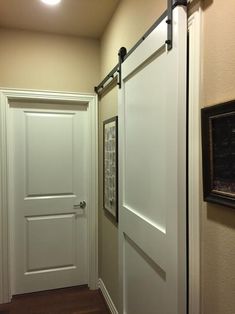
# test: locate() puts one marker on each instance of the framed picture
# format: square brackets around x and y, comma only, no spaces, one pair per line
[110,166]
[218,150]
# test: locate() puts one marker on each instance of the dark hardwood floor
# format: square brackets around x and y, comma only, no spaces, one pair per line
[76,300]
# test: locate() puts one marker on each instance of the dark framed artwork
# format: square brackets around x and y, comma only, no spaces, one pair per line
[110,166]
[218,150]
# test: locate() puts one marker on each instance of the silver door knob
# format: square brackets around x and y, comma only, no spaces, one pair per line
[80,205]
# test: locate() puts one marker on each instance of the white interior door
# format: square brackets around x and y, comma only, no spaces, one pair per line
[48,155]
[152,228]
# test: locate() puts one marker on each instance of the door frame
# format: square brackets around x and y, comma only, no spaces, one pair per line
[194,158]
[7,95]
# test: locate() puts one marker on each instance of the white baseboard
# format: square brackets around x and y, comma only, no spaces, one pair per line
[107,297]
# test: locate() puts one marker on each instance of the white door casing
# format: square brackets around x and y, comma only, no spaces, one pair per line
[35,187]
[194,159]
[152,155]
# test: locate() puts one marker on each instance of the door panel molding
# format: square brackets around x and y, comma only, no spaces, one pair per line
[15,95]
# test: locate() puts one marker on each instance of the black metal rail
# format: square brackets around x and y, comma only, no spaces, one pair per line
[111,75]
[123,54]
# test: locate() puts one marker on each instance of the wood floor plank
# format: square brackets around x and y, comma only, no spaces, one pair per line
[76,300]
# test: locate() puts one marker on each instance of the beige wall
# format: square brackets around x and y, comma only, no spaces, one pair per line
[218,77]
[130,21]
[217,222]
[108,239]
[40,61]
[31,60]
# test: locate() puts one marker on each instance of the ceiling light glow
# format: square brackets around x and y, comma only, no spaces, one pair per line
[51,2]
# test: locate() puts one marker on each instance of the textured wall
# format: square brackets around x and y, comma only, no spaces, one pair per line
[31,60]
[108,237]
[218,77]
[130,21]
[218,222]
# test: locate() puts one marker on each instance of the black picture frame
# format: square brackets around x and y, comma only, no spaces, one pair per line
[218,153]
[110,167]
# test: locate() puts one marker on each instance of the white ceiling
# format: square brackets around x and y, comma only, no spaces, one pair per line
[87,18]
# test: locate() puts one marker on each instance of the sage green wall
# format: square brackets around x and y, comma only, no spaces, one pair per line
[130,21]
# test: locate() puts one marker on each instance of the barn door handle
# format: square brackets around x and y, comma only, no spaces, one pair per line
[80,205]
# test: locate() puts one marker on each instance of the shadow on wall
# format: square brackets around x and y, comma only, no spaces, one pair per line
[221,215]
[206,4]
[193,6]
[110,218]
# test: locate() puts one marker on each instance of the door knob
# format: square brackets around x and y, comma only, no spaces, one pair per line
[80,205]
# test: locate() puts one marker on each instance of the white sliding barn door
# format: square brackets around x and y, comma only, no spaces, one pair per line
[152,228]
[48,156]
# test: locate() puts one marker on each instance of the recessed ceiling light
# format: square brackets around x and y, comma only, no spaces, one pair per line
[51,2]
